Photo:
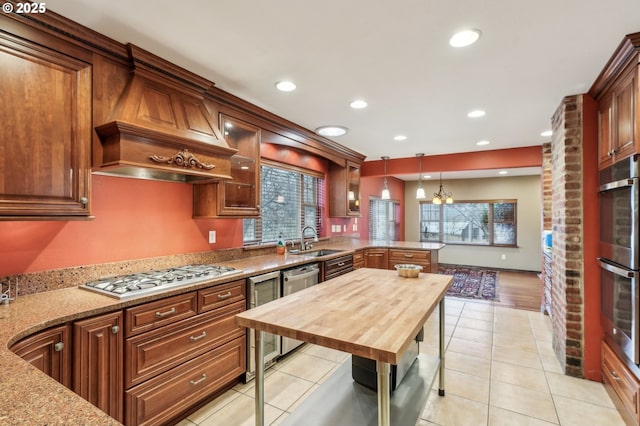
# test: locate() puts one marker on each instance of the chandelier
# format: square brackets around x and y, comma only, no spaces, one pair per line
[442,196]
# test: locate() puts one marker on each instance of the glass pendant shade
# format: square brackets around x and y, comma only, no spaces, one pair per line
[420,195]
[385,195]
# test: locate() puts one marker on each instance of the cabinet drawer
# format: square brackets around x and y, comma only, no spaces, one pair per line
[166,396]
[221,295]
[624,383]
[409,256]
[157,351]
[358,259]
[161,312]
[338,266]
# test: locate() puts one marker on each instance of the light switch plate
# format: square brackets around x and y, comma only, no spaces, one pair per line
[212,237]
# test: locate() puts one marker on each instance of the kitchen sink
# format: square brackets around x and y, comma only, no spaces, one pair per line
[315,253]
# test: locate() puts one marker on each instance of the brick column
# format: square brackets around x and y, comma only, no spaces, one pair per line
[566,217]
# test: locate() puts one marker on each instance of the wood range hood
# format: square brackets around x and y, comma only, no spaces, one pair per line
[161,127]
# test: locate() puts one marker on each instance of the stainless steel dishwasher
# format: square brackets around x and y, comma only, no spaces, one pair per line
[293,280]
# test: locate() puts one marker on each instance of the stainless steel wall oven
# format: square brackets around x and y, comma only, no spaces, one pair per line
[619,248]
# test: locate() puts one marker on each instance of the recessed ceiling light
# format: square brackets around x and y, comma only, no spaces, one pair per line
[503,172]
[482,143]
[358,104]
[426,177]
[400,138]
[546,133]
[476,113]
[331,130]
[464,38]
[286,86]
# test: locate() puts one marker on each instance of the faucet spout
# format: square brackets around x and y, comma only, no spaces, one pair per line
[303,245]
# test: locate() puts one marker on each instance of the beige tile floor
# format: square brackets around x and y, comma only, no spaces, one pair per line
[500,371]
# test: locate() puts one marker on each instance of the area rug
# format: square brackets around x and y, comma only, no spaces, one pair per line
[472,283]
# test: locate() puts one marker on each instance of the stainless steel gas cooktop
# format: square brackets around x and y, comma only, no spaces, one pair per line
[143,283]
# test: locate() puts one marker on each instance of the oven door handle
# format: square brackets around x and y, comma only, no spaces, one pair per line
[617,270]
[623,183]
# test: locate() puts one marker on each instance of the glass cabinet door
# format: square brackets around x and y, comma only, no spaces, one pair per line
[240,196]
[353,190]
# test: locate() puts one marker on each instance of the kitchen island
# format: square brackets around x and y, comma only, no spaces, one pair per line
[371,313]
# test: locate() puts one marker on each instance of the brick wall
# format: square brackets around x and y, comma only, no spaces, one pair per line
[566,220]
[546,186]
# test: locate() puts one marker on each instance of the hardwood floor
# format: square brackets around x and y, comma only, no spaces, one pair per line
[520,290]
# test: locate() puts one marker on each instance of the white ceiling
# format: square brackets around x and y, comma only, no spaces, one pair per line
[394,54]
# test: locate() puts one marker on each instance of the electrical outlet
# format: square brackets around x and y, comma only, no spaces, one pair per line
[503,257]
[212,237]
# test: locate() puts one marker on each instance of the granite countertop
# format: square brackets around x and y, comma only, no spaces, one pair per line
[31,397]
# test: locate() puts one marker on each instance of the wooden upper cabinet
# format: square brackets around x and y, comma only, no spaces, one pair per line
[240,196]
[45,138]
[344,190]
[616,91]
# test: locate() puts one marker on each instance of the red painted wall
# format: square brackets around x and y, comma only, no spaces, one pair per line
[134,219]
[593,332]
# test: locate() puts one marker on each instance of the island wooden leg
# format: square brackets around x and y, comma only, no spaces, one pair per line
[384,394]
[259,385]
[442,337]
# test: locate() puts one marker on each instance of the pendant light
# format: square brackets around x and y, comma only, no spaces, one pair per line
[385,187]
[442,196]
[420,195]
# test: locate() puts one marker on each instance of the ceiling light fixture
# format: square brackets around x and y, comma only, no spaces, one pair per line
[385,187]
[286,86]
[442,196]
[482,143]
[546,133]
[420,195]
[400,138]
[476,113]
[358,104]
[331,131]
[503,172]
[464,38]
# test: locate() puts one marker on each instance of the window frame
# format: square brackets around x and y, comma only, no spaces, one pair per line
[392,228]
[491,222]
[257,222]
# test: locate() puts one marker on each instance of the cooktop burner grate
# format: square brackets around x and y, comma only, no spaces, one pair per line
[155,281]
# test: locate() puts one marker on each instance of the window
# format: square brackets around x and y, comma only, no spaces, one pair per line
[488,223]
[383,219]
[289,201]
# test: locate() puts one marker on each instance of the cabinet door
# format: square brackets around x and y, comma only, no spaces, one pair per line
[625,115]
[48,351]
[344,190]
[240,196]
[376,258]
[45,137]
[605,131]
[98,365]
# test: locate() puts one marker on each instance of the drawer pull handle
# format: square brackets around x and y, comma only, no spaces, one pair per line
[341,264]
[615,375]
[224,296]
[408,255]
[200,380]
[194,338]
[115,329]
[58,346]
[164,314]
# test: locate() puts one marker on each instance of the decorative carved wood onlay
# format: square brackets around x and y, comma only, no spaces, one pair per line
[184,159]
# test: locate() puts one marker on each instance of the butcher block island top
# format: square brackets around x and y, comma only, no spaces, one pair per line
[372,313]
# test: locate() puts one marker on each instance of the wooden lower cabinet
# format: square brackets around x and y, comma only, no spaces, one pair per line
[98,347]
[167,395]
[358,259]
[49,351]
[336,267]
[376,258]
[415,257]
[624,384]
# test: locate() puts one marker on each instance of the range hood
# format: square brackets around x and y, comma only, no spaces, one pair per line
[161,127]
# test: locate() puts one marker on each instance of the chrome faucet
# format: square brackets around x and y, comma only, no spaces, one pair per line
[307,246]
